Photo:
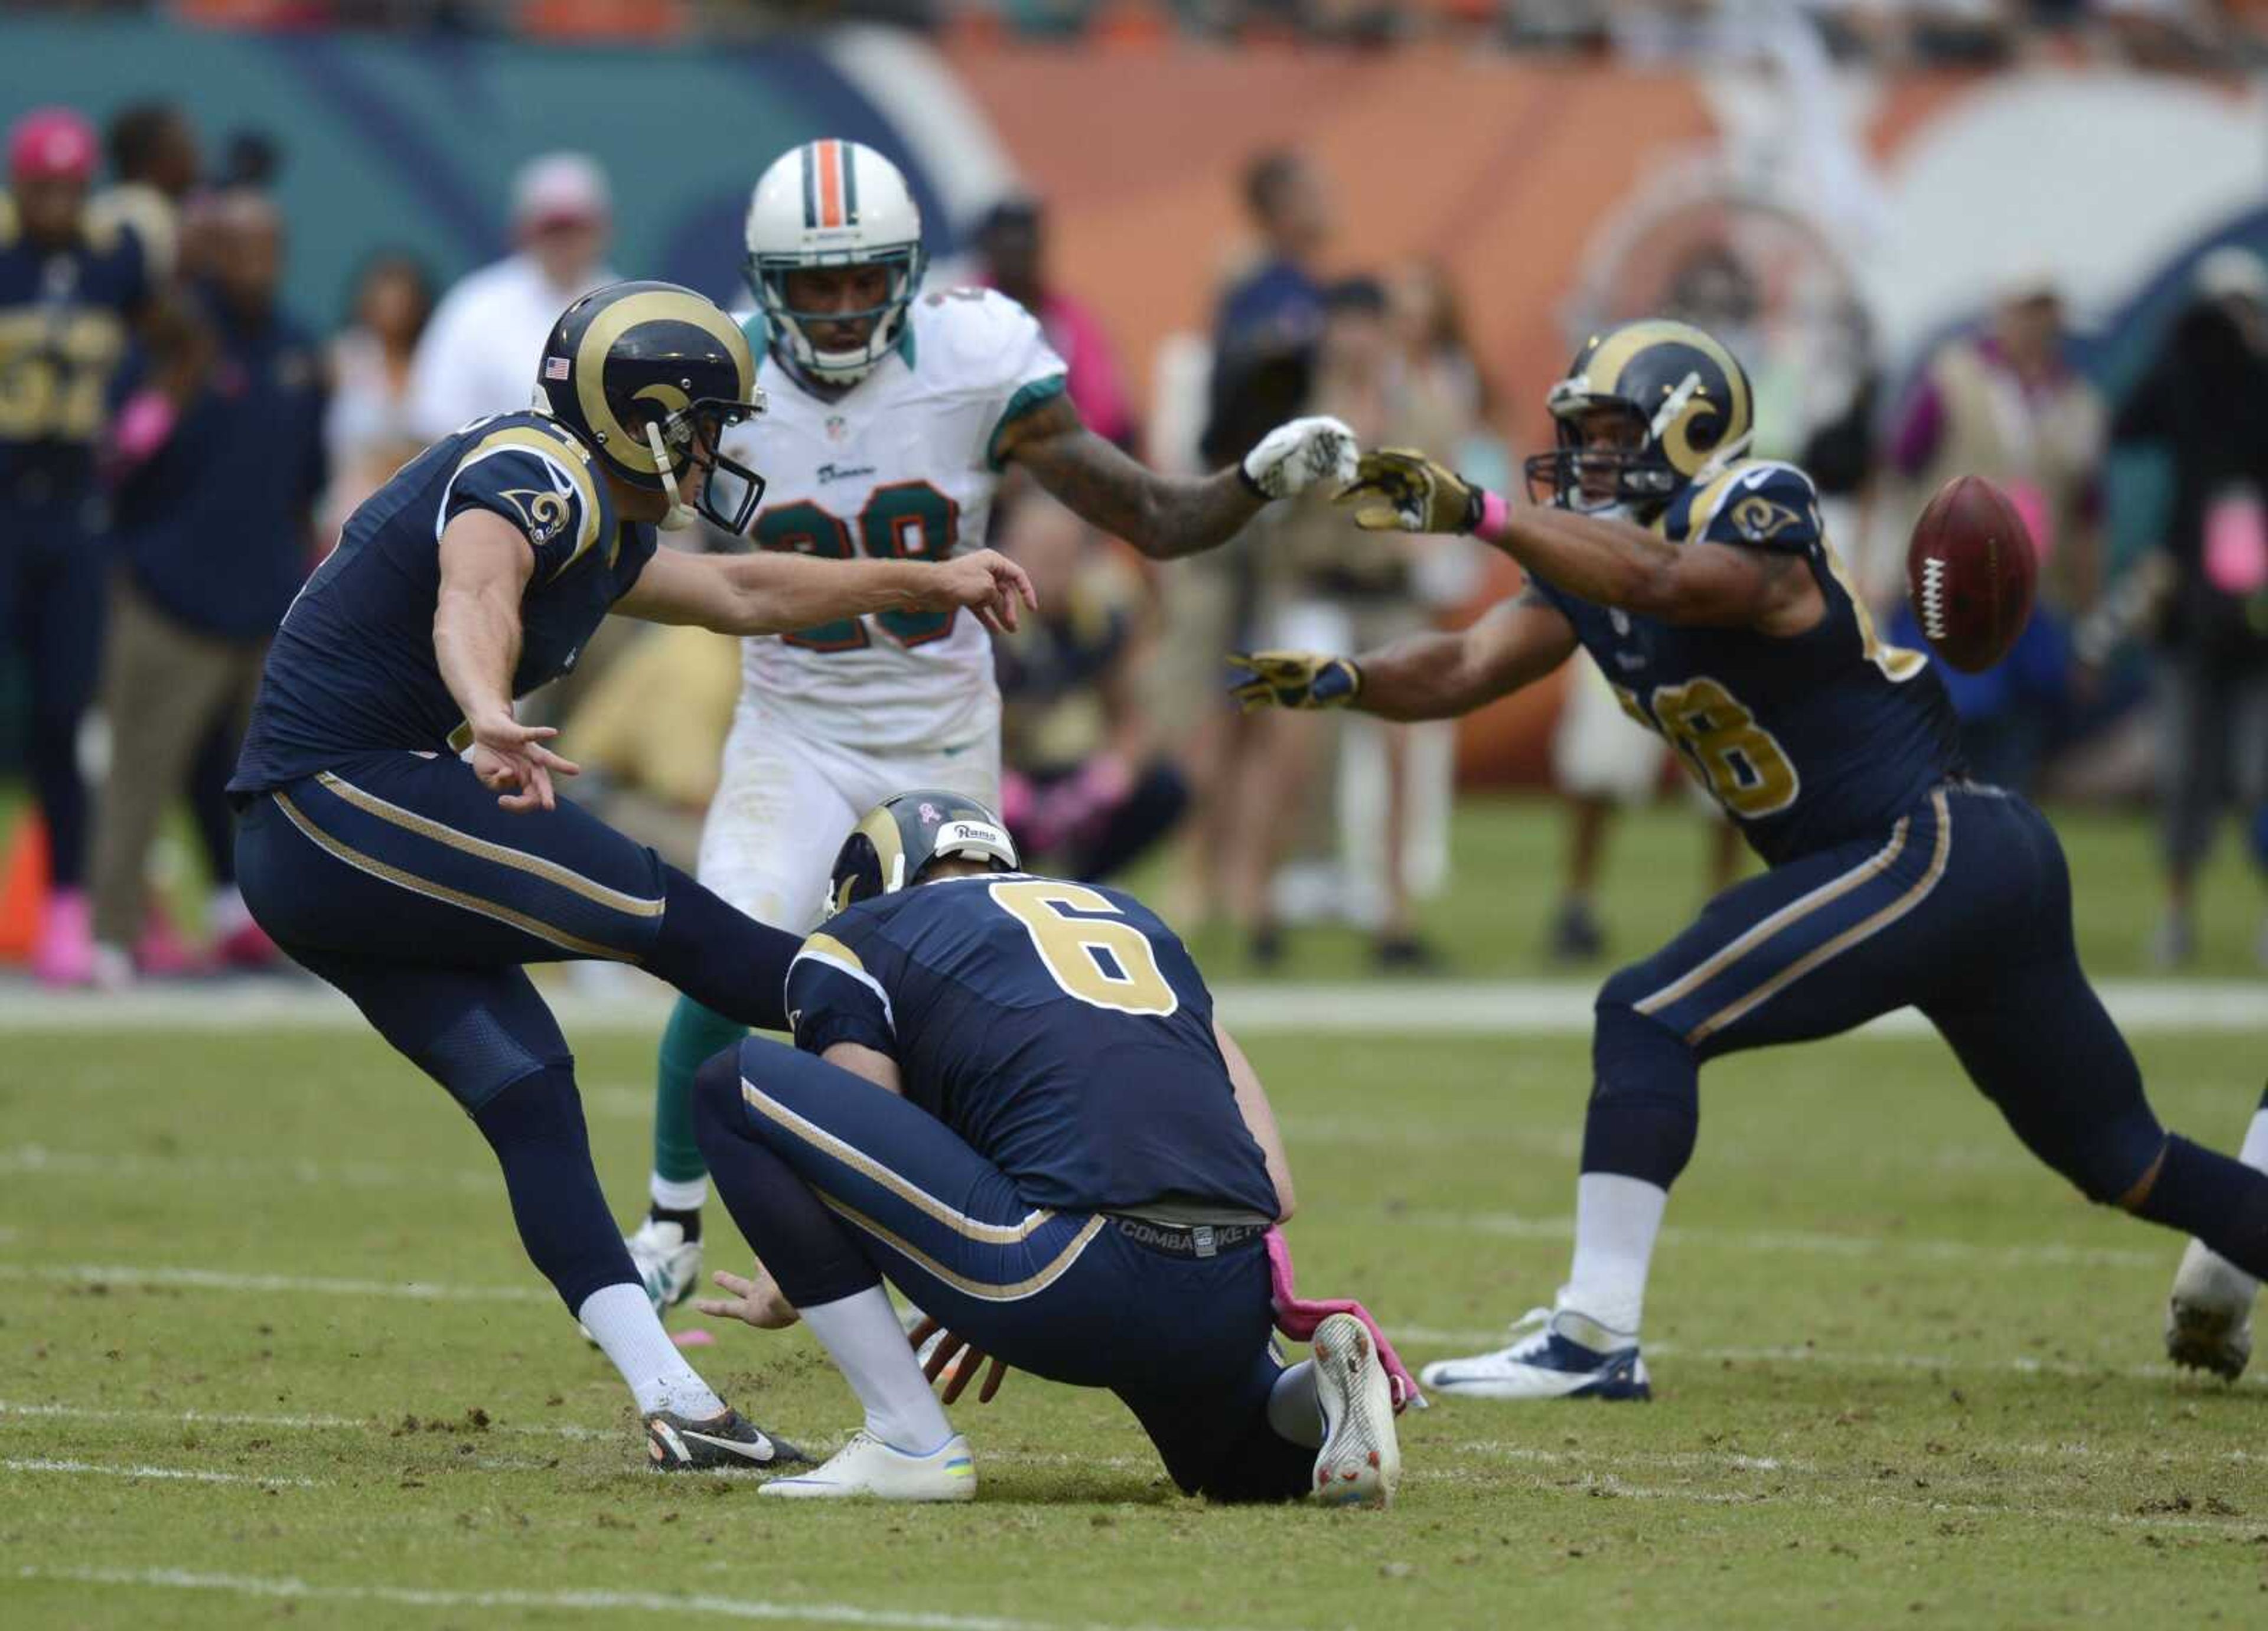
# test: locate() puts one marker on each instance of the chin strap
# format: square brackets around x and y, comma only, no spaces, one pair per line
[681,515]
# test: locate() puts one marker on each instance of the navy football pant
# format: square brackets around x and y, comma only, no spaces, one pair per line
[1963,911]
[52,597]
[396,877]
[839,1184]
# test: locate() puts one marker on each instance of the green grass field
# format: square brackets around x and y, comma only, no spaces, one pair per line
[269,1353]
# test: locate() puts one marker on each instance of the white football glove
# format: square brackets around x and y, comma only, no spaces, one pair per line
[1296,455]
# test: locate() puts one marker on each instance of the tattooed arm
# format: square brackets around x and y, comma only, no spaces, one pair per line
[1165,516]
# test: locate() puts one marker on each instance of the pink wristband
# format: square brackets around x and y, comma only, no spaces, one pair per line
[1494,513]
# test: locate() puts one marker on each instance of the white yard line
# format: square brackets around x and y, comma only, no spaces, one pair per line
[1828,1359]
[1447,1008]
[594,1601]
[222,1280]
[40,1161]
[1810,1243]
[42,1463]
[303,1423]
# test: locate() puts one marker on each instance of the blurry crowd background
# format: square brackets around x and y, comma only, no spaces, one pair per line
[237,433]
[1985,34]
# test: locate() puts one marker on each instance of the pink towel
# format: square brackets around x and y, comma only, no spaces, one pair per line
[1297,1318]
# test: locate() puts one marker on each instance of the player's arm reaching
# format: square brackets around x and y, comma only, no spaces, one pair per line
[1426,676]
[1602,559]
[1260,1120]
[486,563]
[1165,516]
[771,592]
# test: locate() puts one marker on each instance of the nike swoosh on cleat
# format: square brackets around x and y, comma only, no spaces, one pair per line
[761,1451]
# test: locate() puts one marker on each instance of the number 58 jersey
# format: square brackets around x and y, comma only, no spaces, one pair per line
[1807,741]
[1061,1030]
[903,465]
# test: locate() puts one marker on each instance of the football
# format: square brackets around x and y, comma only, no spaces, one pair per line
[1970,572]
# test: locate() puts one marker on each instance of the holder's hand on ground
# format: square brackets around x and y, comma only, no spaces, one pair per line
[1399,490]
[987,584]
[1305,679]
[1296,455]
[948,1345]
[758,1302]
[511,761]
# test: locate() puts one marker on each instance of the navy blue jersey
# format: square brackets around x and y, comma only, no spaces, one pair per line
[352,668]
[1808,741]
[64,320]
[1061,1030]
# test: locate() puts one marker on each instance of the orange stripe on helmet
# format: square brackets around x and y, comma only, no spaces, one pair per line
[830,184]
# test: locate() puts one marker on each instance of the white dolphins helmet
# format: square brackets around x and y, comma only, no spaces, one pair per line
[833,203]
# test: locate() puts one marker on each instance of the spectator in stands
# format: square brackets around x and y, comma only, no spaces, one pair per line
[1011,249]
[214,532]
[72,292]
[1086,788]
[370,431]
[2200,402]
[480,353]
[2007,405]
[154,165]
[1334,587]
[1266,330]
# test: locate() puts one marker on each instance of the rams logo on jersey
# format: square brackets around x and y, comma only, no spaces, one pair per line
[541,515]
[1758,519]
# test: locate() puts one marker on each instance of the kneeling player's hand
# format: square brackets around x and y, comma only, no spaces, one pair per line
[510,760]
[1294,679]
[758,1302]
[1293,457]
[972,1360]
[1400,490]
[988,584]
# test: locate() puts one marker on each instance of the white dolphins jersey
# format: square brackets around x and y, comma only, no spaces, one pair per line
[901,465]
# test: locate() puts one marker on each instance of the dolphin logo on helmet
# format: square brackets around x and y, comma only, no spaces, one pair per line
[833,203]
[650,376]
[1688,405]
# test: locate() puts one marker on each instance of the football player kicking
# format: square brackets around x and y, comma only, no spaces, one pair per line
[1022,1111]
[417,883]
[892,415]
[1702,584]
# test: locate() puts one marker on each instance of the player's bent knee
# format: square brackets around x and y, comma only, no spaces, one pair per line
[717,1114]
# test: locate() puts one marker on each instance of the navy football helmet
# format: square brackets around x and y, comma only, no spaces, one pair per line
[650,376]
[898,841]
[1689,408]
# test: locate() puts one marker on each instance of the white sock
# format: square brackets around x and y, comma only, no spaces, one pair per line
[226,912]
[1616,1219]
[1292,1410]
[861,1334]
[621,1321]
[675,1196]
[2254,1153]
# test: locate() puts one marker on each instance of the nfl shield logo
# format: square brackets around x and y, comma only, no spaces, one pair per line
[837,427]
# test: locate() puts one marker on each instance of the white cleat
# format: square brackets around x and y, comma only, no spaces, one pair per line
[2209,1315]
[1555,1354]
[667,1263]
[1360,1461]
[869,1467]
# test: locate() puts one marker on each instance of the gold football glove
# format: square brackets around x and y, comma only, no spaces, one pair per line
[1399,490]
[1295,680]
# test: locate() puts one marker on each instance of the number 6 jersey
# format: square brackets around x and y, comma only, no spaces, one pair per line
[1061,1030]
[1807,741]
[903,465]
